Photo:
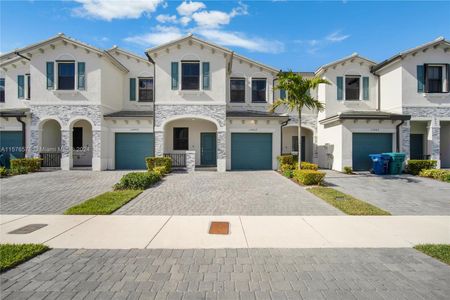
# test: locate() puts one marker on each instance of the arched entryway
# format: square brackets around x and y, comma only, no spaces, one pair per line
[81,143]
[50,145]
[290,142]
[191,134]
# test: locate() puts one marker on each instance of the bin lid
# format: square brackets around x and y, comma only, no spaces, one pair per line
[395,154]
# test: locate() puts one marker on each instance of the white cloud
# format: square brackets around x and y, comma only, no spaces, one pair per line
[115,9]
[212,18]
[159,35]
[236,39]
[166,18]
[336,37]
[188,8]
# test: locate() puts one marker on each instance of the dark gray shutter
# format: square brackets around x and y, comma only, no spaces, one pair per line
[340,87]
[365,88]
[132,89]
[420,79]
[81,76]
[206,75]
[20,86]
[50,75]
[174,70]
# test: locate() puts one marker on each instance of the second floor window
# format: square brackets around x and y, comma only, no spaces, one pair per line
[190,75]
[145,89]
[259,90]
[352,87]
[2,90]
[66,75]
[237,90]
[434,79]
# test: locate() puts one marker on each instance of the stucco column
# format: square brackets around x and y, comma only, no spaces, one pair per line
[405,134]
[315,149]
[159,143]
[66,150]
[221,151]
[434,138]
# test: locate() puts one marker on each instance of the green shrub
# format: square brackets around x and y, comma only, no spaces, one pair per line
[30,164]
[161,170]
[18,170]
[153,162]
[414,166]
[309,177]
[286,167]
[287,173]
[348,170]
[309,166]
[442,175]
[3,172]
[285,159]
[137,181]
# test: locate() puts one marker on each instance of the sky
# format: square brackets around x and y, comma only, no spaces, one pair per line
[297,35]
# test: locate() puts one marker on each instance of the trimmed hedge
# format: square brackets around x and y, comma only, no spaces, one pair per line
[442,175]
[309,177]
[309,166]
[3,172]
[137,181]
[348,170]
[161,170]
[414,166]
[29,164]
[153,162]
[285,159]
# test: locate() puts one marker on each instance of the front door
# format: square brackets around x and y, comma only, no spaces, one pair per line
[208,149]
[416,146]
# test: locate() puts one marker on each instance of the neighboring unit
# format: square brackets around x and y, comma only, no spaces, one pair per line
[75,105]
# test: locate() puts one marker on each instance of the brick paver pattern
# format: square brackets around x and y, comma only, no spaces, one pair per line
[400,194]
[52,192]
[229,274]
[231,193]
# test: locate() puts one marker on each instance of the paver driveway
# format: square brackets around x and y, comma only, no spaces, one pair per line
[229,193]
[229,274]
[399,194]
[52,192]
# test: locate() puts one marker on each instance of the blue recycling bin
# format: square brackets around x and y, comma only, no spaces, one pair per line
[380,163]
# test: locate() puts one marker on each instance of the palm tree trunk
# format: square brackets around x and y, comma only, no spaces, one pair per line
[299,159]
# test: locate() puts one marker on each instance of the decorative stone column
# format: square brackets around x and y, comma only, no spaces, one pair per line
[434,141]
[159,143]
[34,143]
[221,151]
[97,151]
[190,161]
[405,134]
[66,150]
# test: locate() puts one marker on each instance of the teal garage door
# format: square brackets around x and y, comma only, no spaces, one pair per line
[132,149]
[11,146]
[369,143]
[251,151]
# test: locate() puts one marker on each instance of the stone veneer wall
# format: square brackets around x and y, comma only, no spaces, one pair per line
[64,114]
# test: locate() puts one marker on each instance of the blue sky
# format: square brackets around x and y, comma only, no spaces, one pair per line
[296,35]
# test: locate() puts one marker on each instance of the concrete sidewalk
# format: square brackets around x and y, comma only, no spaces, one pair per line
[191,232]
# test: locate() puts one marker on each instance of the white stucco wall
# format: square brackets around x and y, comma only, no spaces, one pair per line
[391,89]
[328,93]
[11,95]
[255,126]
[289,132]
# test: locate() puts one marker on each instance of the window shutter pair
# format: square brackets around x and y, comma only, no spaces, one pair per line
[51,75]
[20,86]
[206,75]
[81,76]
[132,89]
[340,88]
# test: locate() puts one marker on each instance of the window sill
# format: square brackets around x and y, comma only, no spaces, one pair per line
[65,92]
[436,95]
[259,102]
[191,92]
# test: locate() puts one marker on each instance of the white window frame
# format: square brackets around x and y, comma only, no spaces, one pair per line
[345,88]
[200,72]
[56,76]
[251,90]
[444,78]
[137,88]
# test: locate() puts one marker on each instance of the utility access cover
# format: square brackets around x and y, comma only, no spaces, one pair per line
[219,228]
[27,229]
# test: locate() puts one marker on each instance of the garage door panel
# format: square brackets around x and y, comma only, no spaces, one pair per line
[11,144]
[251,151]
[131,149]
[369,143]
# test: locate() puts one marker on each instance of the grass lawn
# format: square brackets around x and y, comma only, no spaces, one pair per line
[348,204]
[104,204]
[438,251]
[13,254]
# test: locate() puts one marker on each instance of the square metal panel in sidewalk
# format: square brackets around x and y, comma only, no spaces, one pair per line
[219,228]
[27,229]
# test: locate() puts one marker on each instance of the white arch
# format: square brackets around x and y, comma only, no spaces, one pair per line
[190,56]
[193,116]
[79,118]
[43,120]
[66,56]
[303,126]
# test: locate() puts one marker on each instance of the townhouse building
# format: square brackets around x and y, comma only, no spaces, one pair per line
[204,105]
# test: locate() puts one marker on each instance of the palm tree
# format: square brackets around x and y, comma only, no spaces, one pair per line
[297,97]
